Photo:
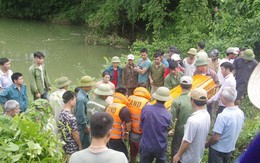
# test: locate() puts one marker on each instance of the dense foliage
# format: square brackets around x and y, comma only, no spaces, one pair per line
[26,138]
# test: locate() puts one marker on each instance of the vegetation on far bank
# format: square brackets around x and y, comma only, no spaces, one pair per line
[152,23]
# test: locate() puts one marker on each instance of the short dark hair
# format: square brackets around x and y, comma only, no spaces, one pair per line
[122,90]
[186,86]
[172,49]
[157,54]
[76,90]
[201,45]
[100,124]
[15,76]
[144,50]
[67,96]
[3,61]
[105,73]
[227,65]
[141,84]
[242,49]
[173,65]
[161,52]
[162,102]
[38,55]
[199,103]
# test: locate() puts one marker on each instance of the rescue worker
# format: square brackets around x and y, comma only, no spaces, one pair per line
[122,121]
[137,101]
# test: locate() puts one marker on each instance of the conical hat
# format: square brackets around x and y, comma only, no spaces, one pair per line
[253,87]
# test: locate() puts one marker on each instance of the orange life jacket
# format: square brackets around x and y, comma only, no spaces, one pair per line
[137,101]
[118,129]
[135,106]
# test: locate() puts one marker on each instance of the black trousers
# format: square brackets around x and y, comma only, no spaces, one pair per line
[118,145]
[218,157]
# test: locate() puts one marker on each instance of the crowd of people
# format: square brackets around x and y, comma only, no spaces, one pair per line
[96,128]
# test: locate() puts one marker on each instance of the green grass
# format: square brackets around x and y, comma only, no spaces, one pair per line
[250,129]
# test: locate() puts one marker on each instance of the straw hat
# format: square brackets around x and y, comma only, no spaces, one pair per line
[63,81]
[104,90]
[86,81]
[162,94]
[192,51]
[253,87]
[249,54]
[115,59]
[199,94]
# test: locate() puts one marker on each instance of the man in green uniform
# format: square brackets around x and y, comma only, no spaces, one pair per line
[99,104]
[181,109]
[156,73]
[39,80]
[85,84]
[173,78]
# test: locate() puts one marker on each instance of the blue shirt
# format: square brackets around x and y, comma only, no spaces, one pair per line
[81,109]
[12,93]
[228,124]
[155,122]
[146,64]
[165,62]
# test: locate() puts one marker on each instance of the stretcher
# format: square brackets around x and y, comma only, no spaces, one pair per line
[199,81]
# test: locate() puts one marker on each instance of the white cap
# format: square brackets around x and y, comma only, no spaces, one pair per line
[186,80]
[175,57]
[236,50]
[131,56]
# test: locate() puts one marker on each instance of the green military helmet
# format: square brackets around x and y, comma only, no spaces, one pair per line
[201,62]
[63,81]
[162,94]
[104,90]
[249,54]
[115,59]
[86,81]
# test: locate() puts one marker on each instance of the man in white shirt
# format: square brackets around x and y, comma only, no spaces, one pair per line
[100,126]
[230,56]
[56,100]
[229,81]
[226,129]
[196,130]
[5,73]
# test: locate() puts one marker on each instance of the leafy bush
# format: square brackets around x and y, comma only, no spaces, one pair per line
[25,138]
[250,128]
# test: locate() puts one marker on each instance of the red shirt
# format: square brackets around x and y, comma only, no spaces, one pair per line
[167,71]
[115,77]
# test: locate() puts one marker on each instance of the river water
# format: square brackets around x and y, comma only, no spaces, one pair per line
[63,45]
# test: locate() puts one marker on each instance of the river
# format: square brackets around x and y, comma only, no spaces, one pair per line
[63,45]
